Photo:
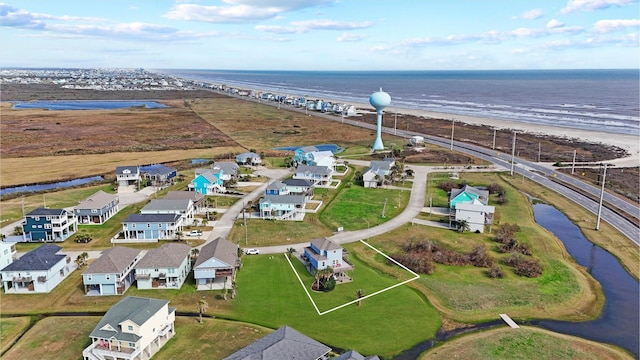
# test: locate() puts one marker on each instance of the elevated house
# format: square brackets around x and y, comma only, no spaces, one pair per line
[182,207]
[378,169]
[323,253]
[321,158]
[248,159]
[299,187]
[208,183]
[197,198]
[319,175]
[165,267]
[43,224]
[229,171]
[276,188]
[216,265]
[151,227]
[158,175]
[300,155]
[283,207]
[38,271]
[128,175]
[97,208]
[112,273]
[7,253]
[284,343]
[470,204]
[133,329]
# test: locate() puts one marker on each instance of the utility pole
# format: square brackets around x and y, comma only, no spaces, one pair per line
[513,152]
[384,207]
[22,205]
[539,148]
[246,232]
[604,176]
[493,145]
[430,204]
[573,164]
[395,124]
[453,126]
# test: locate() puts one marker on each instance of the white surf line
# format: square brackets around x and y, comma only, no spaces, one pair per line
[416,276]
[302,284]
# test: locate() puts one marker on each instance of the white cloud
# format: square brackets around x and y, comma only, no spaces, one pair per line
[605,26]
[530,15]
[591,5]
[298,27]
[553,24]
[347,37]
[240,11]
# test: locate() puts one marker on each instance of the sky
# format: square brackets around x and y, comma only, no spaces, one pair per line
[321,34]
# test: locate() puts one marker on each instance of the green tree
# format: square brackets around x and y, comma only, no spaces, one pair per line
[463,226]
[360,295]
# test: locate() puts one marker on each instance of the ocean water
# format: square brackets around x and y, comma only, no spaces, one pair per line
[600,100]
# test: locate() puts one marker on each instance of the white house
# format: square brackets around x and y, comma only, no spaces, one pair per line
[127,175]
[133,329]
[376,172]
[38,271]
[165,267]
[470,205]
[7,253]
[183,207]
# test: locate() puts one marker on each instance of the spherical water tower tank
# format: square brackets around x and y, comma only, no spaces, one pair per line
[379,100]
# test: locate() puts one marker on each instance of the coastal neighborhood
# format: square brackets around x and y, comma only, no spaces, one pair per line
[283,252]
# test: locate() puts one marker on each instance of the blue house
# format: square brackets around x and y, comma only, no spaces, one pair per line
[159,175]
[112,273]
[151,227]
[216,266]
[44,224]
[276,188]
[38,271]
[165,267]
[283,207]
[97,208]
[208,183]
[301,155]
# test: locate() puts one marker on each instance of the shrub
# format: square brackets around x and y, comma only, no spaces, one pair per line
[529,268]
[501,200]
[506,232]
[495,272]
[479,257]
[495,189]
[447,185]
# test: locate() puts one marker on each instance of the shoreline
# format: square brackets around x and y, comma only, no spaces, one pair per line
[630,143]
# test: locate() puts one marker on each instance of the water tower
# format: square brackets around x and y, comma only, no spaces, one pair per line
[379,100]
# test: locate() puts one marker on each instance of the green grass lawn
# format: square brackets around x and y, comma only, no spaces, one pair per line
[466,293]
[270,295]
[353,207]
[524,343]
[10,329]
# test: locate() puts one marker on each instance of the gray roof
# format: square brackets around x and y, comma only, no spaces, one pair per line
[41,258]
[381,165]
[286,343]
[248,155]
[178,195]
[298,182]
[166,205]
[97,201]
[210,176]
[46,212]
[276,185]
[221,249]
[230,168]
[170,255]
[136,309]
[160,170]
[323,170]
[152,218]
[113,261]
[121,169]
[284,199]
[325,244]
[354,355]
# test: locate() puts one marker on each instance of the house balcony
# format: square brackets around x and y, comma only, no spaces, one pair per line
[105,352]
[165,330]
[143,276]
[23,279]
[162,276]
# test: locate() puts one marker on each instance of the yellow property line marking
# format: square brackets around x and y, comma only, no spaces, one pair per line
[416,276]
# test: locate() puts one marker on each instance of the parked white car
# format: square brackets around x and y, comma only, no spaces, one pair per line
[194,233]
[252,251]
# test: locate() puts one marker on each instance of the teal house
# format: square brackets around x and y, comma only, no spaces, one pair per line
[208,183]
[467,195]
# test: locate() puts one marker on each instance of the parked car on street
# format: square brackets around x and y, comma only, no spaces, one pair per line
[194,233]
[252,251]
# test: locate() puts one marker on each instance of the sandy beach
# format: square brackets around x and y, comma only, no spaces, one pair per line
[631,143]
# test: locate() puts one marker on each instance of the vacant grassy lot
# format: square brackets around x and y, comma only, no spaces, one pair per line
[10,329]
[468,294]
[270,295]
[50,339]
[268,232]
[524,343]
